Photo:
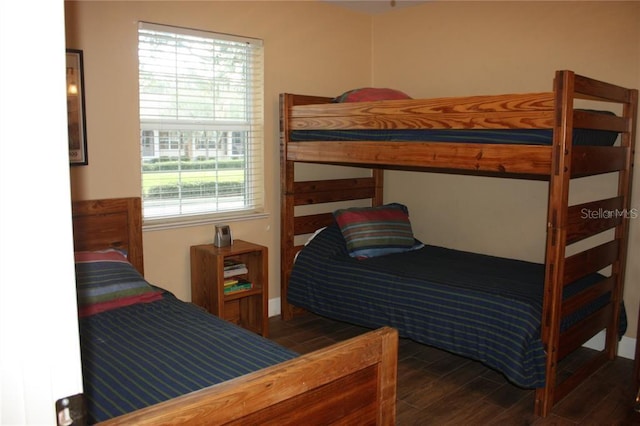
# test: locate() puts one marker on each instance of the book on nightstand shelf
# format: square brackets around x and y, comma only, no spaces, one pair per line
[238,285]
[233,268]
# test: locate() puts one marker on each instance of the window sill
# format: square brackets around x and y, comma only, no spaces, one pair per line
[184,222]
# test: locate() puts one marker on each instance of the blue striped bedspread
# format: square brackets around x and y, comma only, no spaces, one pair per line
[482,307]
[139,355]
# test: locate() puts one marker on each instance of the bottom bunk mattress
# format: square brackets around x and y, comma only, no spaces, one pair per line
[478,306]
[139,355]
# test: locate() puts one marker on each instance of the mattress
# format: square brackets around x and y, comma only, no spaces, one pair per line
[139,355]
[482,307]
[506,136]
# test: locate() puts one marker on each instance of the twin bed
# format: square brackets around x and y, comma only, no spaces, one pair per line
[518,317]
[149,358]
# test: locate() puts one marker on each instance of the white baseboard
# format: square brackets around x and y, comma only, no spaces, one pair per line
[274,307]
[626,346]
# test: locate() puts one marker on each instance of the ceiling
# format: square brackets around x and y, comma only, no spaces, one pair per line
[374,7]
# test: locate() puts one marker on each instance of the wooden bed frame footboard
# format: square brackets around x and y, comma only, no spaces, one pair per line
[559,164]
[340,384]
[351,382]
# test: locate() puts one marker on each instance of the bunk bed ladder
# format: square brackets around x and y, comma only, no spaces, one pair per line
[568,225]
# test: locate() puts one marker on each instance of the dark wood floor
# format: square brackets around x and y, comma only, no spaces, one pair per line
[439,388]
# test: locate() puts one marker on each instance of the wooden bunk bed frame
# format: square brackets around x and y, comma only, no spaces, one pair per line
[345,382]
[558,163]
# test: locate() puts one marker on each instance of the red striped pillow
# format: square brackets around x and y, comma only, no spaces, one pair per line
[376,231]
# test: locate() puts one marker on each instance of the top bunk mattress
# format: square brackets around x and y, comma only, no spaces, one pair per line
[543,137]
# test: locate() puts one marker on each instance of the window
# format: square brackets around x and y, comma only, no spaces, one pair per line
[201,124]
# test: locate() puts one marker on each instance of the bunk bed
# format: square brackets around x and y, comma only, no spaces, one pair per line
[158,360]
[543,136]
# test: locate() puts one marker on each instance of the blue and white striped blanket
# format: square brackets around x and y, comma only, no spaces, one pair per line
[481,307]
[142,354]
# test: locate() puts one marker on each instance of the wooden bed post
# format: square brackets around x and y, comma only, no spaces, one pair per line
[556,235]
[631,111]
[286,208]
[378,179]
[625,177]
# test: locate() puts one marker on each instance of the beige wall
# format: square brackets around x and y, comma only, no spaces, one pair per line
[465,48]
[310,48]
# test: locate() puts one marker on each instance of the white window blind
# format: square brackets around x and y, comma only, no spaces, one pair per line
[201,123]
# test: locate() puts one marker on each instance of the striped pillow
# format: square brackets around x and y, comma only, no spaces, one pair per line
[376,231]
[106,280]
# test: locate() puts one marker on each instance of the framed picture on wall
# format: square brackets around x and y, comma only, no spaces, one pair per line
[75,109]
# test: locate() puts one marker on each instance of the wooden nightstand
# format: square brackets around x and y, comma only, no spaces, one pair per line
[247,308]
